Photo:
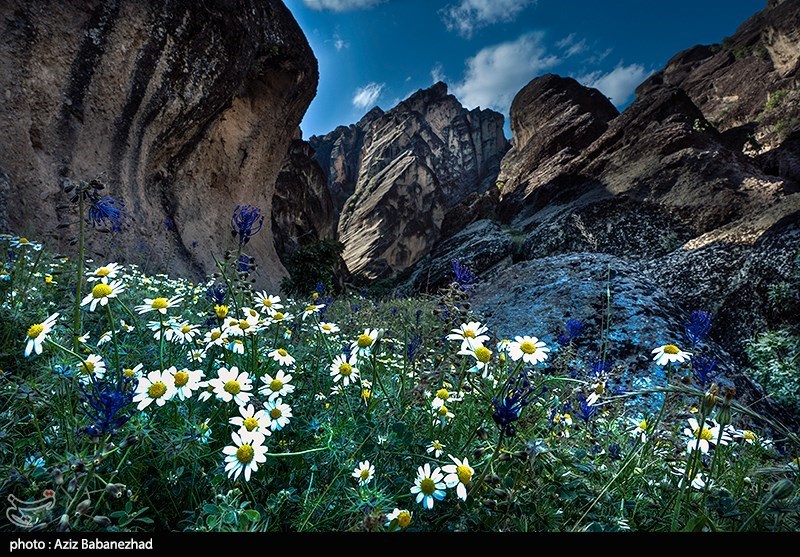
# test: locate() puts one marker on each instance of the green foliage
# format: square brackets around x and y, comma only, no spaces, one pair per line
[776,365]
[320,262]
[775,99]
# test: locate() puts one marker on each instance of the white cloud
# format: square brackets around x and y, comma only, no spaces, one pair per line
[340,5]
[571,47]
[496,73]
[339,43]
[437,74]
[368,95]
[619,84]
[566,41]
[470,15]
[598,57]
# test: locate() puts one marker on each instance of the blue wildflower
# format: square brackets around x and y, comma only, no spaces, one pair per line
[243,265]
[319,288]
[106,402]
[463,276]
[614,451]
[698,327]
[703,369]
[216,293]
[572,330]
[412,348]
[585,410]
[517,393]
[246,222]
[106,213]
[600,368]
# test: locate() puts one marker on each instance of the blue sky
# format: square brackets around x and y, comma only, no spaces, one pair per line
[377,52]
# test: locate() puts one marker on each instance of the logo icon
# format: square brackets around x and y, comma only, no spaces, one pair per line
[27,514]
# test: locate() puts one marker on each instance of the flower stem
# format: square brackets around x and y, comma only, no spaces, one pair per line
[79,286]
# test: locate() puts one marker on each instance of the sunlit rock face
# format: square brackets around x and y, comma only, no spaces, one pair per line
[398,173]
[184,108]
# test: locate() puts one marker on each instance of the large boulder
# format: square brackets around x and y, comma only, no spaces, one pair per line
[185,108]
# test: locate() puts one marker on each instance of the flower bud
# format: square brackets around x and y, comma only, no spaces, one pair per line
[482,433]
[724,415]
[709,400]
[782,489]
[63,524]
[83,506]
[102,521]
[58,476]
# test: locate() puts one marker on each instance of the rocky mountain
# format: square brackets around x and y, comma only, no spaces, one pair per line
[185,108]
[398,174]
[302,206]
[686,200]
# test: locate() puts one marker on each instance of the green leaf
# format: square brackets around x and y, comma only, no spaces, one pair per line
[208,508]
[252,515]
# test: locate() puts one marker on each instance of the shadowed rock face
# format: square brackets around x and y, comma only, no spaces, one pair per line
[401,171]
[185,108]
[302,208]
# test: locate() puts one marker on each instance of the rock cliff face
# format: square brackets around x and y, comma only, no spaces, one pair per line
[667,189]
[184,108]
[302,208]
[406,169]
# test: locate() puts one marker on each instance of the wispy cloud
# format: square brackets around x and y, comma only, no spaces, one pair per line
[340,5]
[339,43]
[469,15]
[437,74]
[368,95]
[571,47]
[496,73]
[619,84]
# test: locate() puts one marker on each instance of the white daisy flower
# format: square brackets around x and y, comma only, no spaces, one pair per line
[245,454]
[702,438]
[344,370]
[443,396]
[436,448]
[186,381]
[640,429]
[37,334]
[402,516]
[364,472]
[282,357]
[482,356]
[698,482]
[134,372]
[196,355]
[280,317]
[751,438]
[363,344]
[277,386]
[181,333]
[101,293]
[156,386]
[249,324]
[470,335]
[278,413]
[530,349]
[271,304]
[104,338]
[231,385]
[669,354]
[428,486]
[236,346]
[442,415]
[250,420]
[328,328]
[311,309]
[458,476]
[215,337]
[22,242]
[161,305]
[92,366]
[104,273]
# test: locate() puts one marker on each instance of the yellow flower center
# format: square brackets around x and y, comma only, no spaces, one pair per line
[703,433]
[48,279]
[528,347]
[276,385]
[250,423]
[671,349]
[101,290]
[483,354]
[437,445]
[311,308]
[345,369]
[469,333]
[365,394]
[283,353]
[243,324]
[326,326]
[233,387]
[443,394]
[35,330]
[749,435]
[186,329]
[215,335]
[23,240]
[643,425]
[252,313]
[364,341]
[266,303]
[427,486]
[87,367]
[159,303]
[245,453]
[221,311]
[181,378]
[128,372]
[442,411]
[278,316]
[464,474]
[157,390]
[404,519]
[103,272]
[364,474]
[275,413]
